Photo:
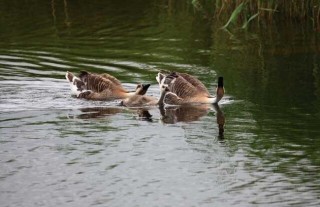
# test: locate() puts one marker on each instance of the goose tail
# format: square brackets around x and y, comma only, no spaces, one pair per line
[76,85]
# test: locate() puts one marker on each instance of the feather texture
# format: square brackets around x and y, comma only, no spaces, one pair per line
[188,89]
[101,87]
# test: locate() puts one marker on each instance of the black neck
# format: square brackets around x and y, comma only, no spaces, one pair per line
[220,82]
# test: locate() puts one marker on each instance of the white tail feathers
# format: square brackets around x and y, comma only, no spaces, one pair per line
[75,84]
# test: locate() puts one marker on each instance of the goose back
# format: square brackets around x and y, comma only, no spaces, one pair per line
[186,89]
[101,87]
[196,83]
[139,100]
[183,84]
[99,83]
[114,80]
[183,89]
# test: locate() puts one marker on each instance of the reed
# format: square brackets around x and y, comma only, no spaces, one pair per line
[245,12]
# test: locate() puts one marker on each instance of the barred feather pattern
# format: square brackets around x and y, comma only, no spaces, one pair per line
[196,83]
[183,89]
[172,99]
[187,87]
[114,80]
[98,84]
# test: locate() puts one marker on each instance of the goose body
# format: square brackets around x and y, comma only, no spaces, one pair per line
[101,87]
[139,101]
[187,89]
[143,100]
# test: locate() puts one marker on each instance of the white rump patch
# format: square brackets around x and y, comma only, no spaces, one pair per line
[161,83]
[158,78]
[73,86]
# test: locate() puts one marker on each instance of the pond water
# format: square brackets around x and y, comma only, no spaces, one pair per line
[59,150]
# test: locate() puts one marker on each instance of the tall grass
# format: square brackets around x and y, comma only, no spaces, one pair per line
[245,12]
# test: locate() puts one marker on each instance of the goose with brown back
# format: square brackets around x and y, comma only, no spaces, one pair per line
[187,89]
[102,87]
[144,100]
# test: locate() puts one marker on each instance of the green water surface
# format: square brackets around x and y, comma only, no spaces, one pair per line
[58,150]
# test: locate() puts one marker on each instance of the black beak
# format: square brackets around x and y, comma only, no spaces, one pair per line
[145,86]
[220,82]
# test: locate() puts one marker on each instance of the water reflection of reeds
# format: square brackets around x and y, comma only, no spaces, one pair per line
[264,12]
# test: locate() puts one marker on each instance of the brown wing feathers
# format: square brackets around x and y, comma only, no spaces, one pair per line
[112,79]
[99,83]
[183,88]
[196,83]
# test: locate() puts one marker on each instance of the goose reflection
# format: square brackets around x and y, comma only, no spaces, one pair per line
[190,113]
[99,112]
[220,119]
[168,115]
[174,114]
[144,114]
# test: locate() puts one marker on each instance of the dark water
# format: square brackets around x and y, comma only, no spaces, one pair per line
[58,150]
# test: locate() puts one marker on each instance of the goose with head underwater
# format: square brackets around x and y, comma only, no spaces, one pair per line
[186,89]
[101,87]
[144,100]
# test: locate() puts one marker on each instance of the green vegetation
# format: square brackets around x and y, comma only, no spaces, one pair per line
[243,12]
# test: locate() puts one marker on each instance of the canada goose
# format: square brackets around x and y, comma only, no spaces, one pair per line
[101,87]
[188,89]
[143,100]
